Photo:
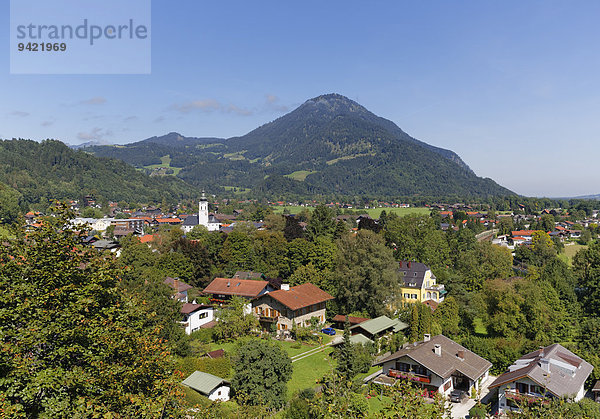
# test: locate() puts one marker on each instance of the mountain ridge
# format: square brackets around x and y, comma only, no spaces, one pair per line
[329,144]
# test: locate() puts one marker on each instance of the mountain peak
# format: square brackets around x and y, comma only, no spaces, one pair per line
[334,103]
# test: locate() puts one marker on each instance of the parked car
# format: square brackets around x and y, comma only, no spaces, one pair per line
[328,331]
[458,396]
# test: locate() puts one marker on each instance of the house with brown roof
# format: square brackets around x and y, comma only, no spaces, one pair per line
[223,289]
[291,305]
[438,364]
[196,315]
[180,288]
[339,321]
[550,372]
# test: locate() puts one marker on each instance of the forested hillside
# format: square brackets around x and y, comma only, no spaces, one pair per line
[40,172]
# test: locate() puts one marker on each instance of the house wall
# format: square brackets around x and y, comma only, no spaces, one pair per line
[503,401]
[286,317]
[220,393]
[199,318]
[436,380]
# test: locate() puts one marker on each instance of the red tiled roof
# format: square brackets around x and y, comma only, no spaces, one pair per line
[523,232]
[168,220]
[353,320]
[147,238]
[433,305]
[234,286]
[301,296]
[519,238]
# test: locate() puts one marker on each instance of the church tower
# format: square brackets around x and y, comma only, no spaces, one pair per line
[203,211]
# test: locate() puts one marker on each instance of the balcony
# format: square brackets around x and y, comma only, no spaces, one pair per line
[437,287]
[410,376]
[268,319]
[529,398]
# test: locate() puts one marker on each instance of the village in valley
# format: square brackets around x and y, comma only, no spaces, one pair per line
[346,311]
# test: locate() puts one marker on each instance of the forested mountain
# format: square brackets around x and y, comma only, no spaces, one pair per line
[330,145]
[51,170]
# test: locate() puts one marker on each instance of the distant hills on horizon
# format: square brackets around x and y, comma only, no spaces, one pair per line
[330,145]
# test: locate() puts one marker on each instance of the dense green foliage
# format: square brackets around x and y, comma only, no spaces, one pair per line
[42,172]
[73,343]
[261,371]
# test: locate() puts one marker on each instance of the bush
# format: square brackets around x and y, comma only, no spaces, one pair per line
[477,411]
[221,367]
[296,345]
[203,335]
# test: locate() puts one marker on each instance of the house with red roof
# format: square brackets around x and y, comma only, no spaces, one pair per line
[290,306]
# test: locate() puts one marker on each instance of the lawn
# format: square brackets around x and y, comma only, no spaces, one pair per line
[570,251]
[480,328]
[377,402]
[310,369]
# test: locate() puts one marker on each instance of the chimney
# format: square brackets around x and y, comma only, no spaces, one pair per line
[176,284]
[437,349]
[228,283]
[285,287]
[409,263]
[461,354]
[545,364]
[426,337]
[541,348]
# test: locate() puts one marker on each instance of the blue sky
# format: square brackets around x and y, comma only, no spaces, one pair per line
[513,87]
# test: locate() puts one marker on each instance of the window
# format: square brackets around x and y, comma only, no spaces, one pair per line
[413,296]
[522,388]
[447,385]
[203,315]
[406,295]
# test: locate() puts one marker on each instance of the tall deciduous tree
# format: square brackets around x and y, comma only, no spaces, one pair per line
[365,275]
[233,322]
[586,265]
[72,343]
[261,372]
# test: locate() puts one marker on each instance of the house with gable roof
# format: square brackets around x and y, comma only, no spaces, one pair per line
[291,305]
[418,283]
[438,364]
[550,372]
[211,386]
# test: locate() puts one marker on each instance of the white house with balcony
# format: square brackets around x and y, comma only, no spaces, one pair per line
[550,372]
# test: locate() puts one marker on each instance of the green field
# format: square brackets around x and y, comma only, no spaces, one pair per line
[570,251]
[238,190]
[165,163]
[310,369]
[373,212]
[300,174]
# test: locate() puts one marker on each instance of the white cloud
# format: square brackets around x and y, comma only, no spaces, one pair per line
[98,100]
[94,134]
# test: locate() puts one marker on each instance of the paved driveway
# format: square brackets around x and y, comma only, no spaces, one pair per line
[461,410]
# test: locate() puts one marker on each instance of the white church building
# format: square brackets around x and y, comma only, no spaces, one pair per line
[203,218]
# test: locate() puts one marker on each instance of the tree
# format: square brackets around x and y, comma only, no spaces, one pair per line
[406,401]
[11,204]
[447,316]
[586,265]
[321,223]
[344,356]
[365,275]
[292,229]
[72,343]
[543,247]
[261,371]
[233,322]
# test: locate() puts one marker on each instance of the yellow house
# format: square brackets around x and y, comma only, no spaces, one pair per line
[419,284]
